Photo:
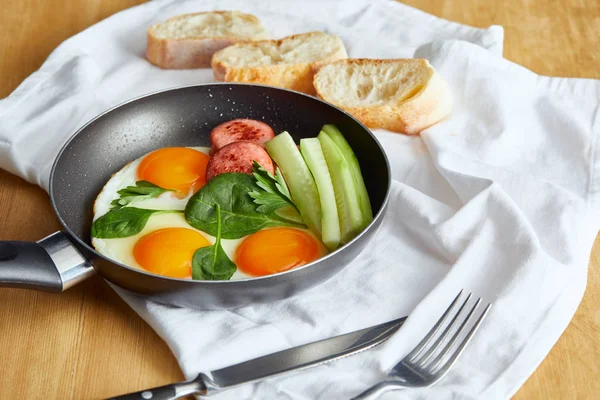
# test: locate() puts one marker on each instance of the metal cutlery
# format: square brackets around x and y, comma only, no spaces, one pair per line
[293,359]
[427,363]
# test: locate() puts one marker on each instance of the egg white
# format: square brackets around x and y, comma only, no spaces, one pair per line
[121,249]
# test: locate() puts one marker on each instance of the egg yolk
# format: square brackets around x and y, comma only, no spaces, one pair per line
[169,251]
[275,250]
[176,168]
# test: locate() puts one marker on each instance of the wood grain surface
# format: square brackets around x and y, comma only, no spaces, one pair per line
[87,343]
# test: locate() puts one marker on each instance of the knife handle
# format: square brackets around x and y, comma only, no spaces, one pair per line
[168,392]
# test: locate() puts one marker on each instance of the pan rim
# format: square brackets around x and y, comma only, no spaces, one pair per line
[379,215]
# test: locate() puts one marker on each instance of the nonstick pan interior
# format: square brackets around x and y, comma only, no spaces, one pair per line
[185,117]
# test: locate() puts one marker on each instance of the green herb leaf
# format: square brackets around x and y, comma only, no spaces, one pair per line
[141,191]
[211,263]
[281,184]
[239,212]
[268,202]
[274,194]
[123,222]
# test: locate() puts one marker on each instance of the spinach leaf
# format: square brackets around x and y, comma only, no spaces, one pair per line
[274,194]
[210,263]
[141,191]
[239,214]
[122,222]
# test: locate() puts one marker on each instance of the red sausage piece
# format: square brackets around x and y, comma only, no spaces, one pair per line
[238,157]
[240,130]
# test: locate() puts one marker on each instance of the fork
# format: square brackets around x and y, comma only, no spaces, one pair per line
[420,368]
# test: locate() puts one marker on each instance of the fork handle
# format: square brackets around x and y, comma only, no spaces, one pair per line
[377,390]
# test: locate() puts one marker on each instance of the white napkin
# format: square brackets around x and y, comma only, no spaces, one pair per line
[499,199]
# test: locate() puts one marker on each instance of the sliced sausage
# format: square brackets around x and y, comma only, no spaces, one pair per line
[238,157]
[240,130]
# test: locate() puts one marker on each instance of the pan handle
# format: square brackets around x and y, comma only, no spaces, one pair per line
[51,265]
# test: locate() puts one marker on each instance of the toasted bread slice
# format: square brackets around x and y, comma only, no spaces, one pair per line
[288,63]
[190,40]
[401,95]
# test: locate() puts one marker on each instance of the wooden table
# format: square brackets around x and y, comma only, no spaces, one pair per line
[87,343]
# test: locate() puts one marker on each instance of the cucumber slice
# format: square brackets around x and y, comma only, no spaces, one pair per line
[298,178]
[351,221]
[330,223]
[363,196]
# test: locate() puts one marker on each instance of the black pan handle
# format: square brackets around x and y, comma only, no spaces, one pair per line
[28,265]
[51,265]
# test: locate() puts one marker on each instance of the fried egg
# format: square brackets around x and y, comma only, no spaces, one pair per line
[175,168]
[274,250]
[167,243]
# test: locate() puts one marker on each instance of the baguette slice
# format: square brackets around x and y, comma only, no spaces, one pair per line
[401,95]
[190,40]
[288,63]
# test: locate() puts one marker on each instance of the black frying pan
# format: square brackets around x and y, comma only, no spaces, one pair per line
[180,117]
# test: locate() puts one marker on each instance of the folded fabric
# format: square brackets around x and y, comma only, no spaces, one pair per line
[499,199]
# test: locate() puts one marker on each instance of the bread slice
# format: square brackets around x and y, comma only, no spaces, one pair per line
[288,63]
[401,95]
[190,40]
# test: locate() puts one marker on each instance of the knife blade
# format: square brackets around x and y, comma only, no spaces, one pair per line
[294,359]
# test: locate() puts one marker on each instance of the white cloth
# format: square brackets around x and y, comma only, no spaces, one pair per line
[499,199]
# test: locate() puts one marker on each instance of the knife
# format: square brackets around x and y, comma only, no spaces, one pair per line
[294,359]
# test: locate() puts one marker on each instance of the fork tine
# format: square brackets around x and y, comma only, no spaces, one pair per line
[406,374]
[434,363]
[433,330]
[425,357]
[462,345]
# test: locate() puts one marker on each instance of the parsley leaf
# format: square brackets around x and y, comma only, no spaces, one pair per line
[275,193]
[142,190]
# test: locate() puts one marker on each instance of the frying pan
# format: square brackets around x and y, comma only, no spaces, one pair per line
[180,117]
